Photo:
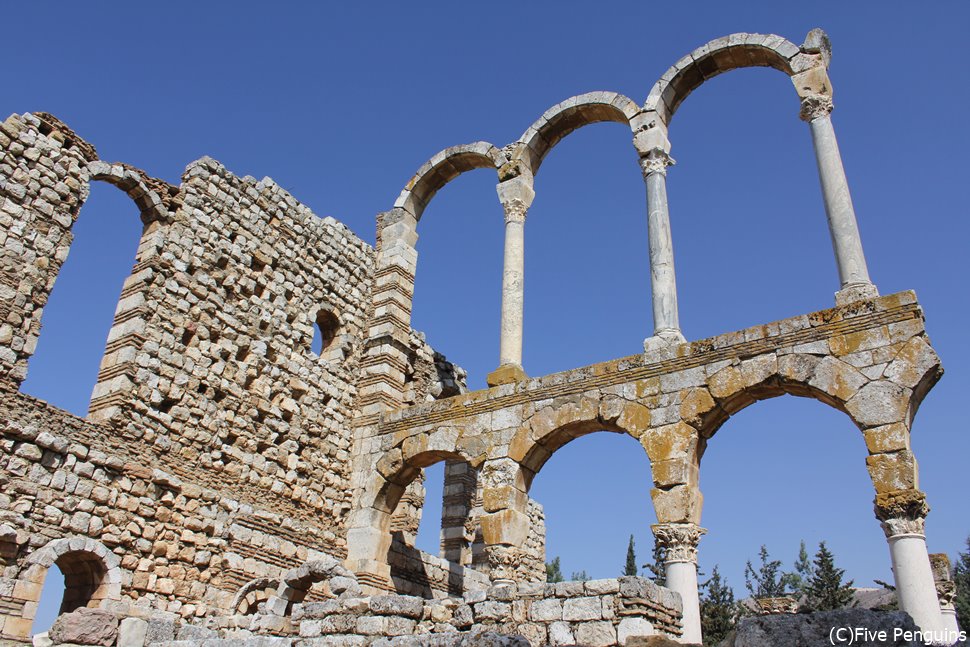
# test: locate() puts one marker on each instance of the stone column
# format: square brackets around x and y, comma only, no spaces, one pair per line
[516,195]
[679,544]
[853,273]
[663,282]
[902,514]
[946,593]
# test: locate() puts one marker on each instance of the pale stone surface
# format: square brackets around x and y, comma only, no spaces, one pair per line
[85,627]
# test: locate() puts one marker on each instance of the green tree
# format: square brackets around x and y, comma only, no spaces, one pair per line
[630,568]
[581,576]
[658,570]
[825,590]
[553,571]
[767,581]
[798,579]
[719,611]
[961,576]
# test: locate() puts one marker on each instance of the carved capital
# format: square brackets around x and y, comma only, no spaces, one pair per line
[902,512]
[946,591]
[678,540]
[656,161]
[815,106]
[515,211]
[503,562]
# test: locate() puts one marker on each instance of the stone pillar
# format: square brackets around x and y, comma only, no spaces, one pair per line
[679,544]
[946,593]
[516,195]
[386,347]
[902,514]
[816,110]
[663,282]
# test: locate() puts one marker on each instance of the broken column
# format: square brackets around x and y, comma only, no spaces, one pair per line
[679,543]
[946,592]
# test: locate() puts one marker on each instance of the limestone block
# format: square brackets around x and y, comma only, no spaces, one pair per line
[132,632]
[878,403]
[694,405]
[632,628]
[596,634]
[886,439]
[674,472]
[678,440]
[546,610]
[504,497]
[561,634]
[85,627]
[679,504]
[585,608]
[398,605]
[915,360]
[895,471]
[492,610]
[837,378]
[813,81]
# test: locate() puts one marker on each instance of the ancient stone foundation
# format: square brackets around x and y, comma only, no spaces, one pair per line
[229,485]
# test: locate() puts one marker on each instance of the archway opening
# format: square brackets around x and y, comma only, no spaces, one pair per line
[595,492]
[458,281]
[81,307]
[749,228]
[782,471]
[586,247]
[435,529]
[75,580]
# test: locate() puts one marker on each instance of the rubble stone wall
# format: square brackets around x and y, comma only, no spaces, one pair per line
[217,447]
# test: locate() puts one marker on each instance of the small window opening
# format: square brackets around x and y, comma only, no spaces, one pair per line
[324,331]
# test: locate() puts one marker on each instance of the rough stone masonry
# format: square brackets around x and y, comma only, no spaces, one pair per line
[229,483]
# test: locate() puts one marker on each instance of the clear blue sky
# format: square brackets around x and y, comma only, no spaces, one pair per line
[341,103]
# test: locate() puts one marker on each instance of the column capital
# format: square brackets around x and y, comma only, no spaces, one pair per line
[515,211]
[815,106]
[902,512]
[678,540]
[516,195]
[503,562]
[656,161]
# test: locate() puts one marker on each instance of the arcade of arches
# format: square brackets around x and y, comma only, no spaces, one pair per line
[228,480]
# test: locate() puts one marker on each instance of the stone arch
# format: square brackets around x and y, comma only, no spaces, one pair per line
[567,116]
[881,405]
[92,576]
[723,55]
[296,583]
[149,195]
[442,169]
[252,593]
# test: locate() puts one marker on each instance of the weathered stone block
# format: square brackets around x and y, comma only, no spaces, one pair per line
[85,627]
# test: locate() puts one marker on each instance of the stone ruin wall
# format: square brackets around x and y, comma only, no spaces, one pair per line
[217,444]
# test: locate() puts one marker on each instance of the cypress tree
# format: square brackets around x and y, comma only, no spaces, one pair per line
[767,581]
[553,571]
[631,559]
[825,590]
